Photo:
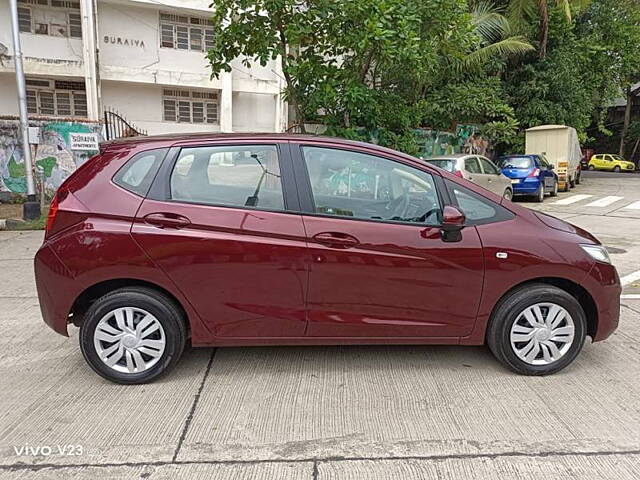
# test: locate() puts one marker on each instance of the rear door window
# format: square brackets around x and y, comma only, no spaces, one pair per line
[488,166]
[472,165]
[246,176]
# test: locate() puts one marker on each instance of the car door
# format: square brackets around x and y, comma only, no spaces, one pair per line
[608,162]
[474,171]
[547,176]
[496,182]
[220,221]
[379,265]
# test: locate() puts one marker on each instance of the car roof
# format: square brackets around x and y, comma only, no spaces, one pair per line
[193,139]
[453,156]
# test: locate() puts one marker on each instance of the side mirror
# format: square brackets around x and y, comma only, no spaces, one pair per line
[452,223]
[550,167]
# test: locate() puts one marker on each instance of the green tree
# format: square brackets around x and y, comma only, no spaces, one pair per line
[374,64]
[525,13]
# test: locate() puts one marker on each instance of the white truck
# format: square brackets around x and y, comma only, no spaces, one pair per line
[560,146]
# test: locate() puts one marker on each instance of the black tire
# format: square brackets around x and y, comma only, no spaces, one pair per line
[554,190]
[591,167]
[165,311]
[578,179]
[539,198]
[507,312]
[508,194]
[617,169]
[572,183]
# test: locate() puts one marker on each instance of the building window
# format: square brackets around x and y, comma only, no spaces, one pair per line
[60,98]
[185,33]
[57,18]
[190,106]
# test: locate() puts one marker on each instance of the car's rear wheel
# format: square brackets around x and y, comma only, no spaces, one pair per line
[554,191]
[617,169]
[540,194]
[508,194]
[537,329]
[591,167]
[132,335]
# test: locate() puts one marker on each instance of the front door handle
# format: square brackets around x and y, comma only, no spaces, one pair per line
[167,220]
[336,239]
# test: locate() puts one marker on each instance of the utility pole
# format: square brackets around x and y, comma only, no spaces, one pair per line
[31,208]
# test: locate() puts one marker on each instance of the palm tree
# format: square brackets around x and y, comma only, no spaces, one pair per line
[495,34]
[522,11]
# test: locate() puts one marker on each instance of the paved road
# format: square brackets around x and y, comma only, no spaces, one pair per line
[320,413]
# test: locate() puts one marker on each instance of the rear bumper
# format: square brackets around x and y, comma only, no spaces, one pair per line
[54,286]
[605,289]
[526,187]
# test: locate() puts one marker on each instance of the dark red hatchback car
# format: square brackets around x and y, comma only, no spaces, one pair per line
[283,239]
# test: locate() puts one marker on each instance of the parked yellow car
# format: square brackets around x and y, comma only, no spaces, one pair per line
[611,162]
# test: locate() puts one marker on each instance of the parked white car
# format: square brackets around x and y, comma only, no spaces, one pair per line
[478,169]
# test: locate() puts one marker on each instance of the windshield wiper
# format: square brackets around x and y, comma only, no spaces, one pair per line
[252,200]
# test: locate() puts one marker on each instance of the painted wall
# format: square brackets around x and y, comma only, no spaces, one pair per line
[253,112]
[142,104]
[8,94]
[42,54]
[464,140]
[53,155]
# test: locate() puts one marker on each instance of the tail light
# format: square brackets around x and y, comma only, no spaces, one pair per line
[51,218]
[534,173]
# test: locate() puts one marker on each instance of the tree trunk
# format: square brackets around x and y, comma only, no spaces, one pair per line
[543,10]
[293,94]
[627,121]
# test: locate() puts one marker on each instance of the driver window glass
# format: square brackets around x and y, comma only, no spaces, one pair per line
[245,176]
[352,184]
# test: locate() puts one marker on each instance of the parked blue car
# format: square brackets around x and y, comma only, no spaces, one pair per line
[530,175]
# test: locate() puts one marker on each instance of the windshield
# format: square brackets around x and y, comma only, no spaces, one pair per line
[445,163]
[515,162]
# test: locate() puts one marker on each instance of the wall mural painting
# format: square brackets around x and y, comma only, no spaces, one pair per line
[464,140]
[53,156]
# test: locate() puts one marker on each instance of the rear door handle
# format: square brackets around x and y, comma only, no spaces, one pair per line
[336,239]
[167,220]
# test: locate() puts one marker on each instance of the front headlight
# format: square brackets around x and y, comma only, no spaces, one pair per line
[597,252]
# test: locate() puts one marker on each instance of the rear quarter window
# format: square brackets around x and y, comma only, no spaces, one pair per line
[137,174]
[445,164]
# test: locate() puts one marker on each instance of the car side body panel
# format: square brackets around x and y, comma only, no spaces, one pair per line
[93,243]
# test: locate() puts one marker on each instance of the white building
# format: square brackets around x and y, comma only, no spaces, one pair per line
[143,58]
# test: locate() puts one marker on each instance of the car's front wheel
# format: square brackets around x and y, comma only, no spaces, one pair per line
[508,194]
[537,329]
[132,335]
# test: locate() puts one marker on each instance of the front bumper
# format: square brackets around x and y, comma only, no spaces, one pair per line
[604,286]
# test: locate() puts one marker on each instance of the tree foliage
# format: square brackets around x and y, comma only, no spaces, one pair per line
[395,65]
